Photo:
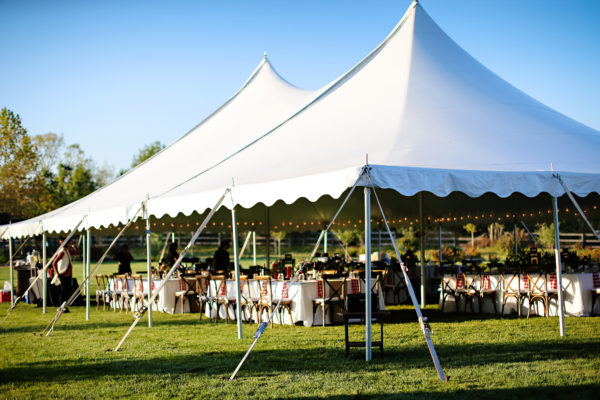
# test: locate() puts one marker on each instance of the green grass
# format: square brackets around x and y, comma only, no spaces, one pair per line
[182,357]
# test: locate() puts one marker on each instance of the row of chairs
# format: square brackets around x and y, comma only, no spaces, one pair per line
[118,289]
[534,285]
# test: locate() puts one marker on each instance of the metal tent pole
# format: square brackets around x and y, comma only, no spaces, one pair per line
[88,251]
[254,247]
[368,349]
[268,238]
[325,243]
[10,266]
[149,262]
[44,276]
[83,254]
[422,244]
[441,246]
[561,300]
[238,295]
[516,244]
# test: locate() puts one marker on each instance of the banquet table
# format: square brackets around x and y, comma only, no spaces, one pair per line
[301,293]
[577,289]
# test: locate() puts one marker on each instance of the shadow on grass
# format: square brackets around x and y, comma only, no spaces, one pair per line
[273,362]
[528,392]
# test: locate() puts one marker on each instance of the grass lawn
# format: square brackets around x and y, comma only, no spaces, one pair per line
[182,357]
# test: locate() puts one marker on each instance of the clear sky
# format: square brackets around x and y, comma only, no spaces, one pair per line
[115,75]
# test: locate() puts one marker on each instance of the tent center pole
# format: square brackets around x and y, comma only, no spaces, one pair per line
[422,245]
[368,354]
[561,300]
[325,243]
[44,276]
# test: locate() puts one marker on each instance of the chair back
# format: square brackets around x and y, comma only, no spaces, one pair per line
[138,286]
[122,283]
[536,283]
[334,286]
[217,286]
[202,284]
[265,289]
[101,282]
[596,278]
[510,281]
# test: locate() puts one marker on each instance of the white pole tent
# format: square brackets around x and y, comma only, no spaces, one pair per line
[431,118]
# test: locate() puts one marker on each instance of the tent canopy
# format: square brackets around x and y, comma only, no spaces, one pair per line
[429,116]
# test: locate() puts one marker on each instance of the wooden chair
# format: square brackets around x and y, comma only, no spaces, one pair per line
[138,292]
[120,293]
[394,283]
[486,291]
[512,287]
[537,292]
[102,290]
[187,290]
[217,295]
[471,278]
[248,304]
[285,303]
[265,298]
[595,290]
[202,291]
[331,291]
[448,285]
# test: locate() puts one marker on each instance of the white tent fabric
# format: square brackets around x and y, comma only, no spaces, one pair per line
[429,116]
[265,99]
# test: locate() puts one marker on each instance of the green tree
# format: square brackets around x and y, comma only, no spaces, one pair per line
[408,240]
[146,152]
[18,165]
[471,228]
[545,235]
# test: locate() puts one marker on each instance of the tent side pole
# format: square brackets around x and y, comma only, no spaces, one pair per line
[422,245]
[236,263]
[561,300]
[516,244]
[88,251]
[325,243]
[254,247]
[368,349]
[268,238]
[83,254]
[441,246]
[10,266]
[44,276]
[149,264]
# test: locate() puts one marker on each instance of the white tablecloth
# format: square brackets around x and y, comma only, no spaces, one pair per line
[301,293]
[576,288]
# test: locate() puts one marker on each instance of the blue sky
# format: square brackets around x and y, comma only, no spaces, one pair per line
[113,75]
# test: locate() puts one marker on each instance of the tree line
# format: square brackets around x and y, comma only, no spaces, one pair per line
[41,173]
